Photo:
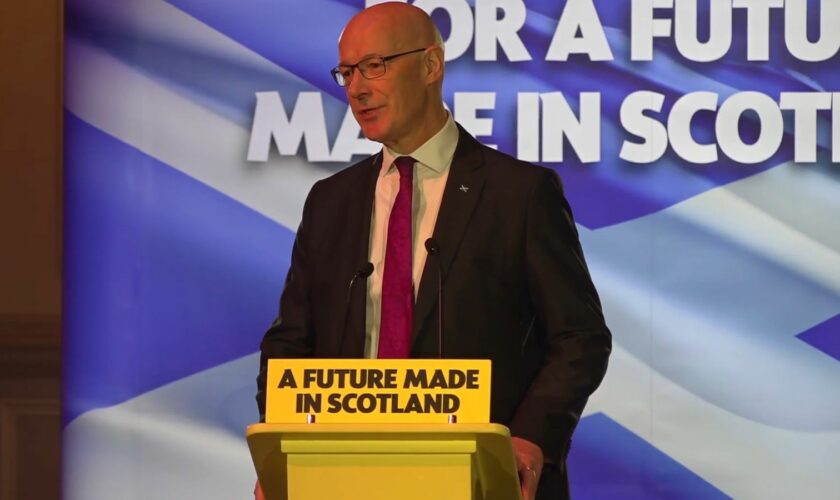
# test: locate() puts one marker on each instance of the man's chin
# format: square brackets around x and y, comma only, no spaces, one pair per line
[373,134]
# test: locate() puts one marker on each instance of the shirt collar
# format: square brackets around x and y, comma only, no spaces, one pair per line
[436,153]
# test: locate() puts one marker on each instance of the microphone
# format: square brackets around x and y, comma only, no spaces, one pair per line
[363,271]
[433,249]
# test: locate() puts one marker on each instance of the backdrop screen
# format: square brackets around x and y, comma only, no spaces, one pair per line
[699,145]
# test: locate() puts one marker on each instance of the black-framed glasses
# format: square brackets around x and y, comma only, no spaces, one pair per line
[370,67]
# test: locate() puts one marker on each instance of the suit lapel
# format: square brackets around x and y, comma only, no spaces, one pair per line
[460,196]
[361,207]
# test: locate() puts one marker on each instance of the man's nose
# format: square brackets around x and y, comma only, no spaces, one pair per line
[357,88]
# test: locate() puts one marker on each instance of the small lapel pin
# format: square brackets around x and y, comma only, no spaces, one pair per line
[464,188]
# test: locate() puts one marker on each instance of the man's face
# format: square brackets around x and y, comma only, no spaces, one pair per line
[388,107]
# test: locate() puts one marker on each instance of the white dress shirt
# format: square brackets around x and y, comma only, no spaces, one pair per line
[431,170]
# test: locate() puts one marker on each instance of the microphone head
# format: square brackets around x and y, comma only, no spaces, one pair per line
[432,246]
[365,270]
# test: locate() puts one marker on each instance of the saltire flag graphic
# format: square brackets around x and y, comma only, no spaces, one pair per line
[721,282]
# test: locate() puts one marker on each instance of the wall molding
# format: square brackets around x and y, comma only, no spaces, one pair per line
[13,412]
[30,331]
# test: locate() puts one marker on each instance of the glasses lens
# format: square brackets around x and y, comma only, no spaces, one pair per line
[341,75]
[372,68]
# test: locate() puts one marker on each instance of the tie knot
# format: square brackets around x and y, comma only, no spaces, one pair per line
[405,165]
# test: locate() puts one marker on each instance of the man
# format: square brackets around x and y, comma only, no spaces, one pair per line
[517,290]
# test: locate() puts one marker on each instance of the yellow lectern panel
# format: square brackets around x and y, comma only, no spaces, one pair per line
[383,391]
[384,461]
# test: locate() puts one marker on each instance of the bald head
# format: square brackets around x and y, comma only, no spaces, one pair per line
[391,60]
[404,26]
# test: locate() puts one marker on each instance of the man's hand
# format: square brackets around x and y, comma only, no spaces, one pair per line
[529,463]
[258,494]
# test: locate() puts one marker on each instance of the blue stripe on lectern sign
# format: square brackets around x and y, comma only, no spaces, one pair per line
[698,143]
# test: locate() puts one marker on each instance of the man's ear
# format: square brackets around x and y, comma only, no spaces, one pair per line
[434,64]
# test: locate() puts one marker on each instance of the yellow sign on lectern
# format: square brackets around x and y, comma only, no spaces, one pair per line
[377,391]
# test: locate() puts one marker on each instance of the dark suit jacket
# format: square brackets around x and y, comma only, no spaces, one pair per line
[516,288]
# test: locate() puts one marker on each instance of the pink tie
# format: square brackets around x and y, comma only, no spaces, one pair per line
[397,287]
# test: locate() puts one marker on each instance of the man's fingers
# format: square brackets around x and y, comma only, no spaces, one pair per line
[529,462]
[528,482]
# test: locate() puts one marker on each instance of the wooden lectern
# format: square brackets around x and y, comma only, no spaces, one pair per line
[384,461]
